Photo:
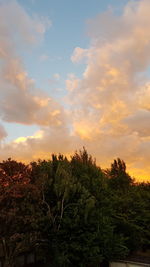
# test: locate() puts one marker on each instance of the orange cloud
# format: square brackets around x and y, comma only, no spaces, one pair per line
[110,94]
[106,110]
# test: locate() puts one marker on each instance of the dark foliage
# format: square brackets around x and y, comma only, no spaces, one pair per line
[71,212]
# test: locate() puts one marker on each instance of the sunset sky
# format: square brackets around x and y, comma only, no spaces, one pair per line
[76,73]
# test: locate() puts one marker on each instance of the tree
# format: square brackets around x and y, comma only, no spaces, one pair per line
[72,212]
[119,179]
[20,210]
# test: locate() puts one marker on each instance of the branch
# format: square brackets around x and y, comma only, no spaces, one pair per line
[62,211]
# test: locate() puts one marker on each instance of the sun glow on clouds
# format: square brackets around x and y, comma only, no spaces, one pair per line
[107,110]
[22,139]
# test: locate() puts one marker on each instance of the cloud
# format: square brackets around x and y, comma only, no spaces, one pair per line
[3,133]
[42,144]
[79,54]
[21,101]
[110,104]
[106,110]
[72,82]
[29,30]
[143,97]
[139,123]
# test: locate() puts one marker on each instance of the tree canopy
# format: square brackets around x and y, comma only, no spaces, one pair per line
[71,211]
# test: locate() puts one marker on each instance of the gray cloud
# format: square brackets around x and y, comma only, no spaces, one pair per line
[3,133]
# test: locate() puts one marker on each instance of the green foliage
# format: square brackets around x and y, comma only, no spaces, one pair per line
[72,213]
[119,179]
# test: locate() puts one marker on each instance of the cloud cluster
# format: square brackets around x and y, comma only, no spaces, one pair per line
[20,101]
[109,106]
[113,97]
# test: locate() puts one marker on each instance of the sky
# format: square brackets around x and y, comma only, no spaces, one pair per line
[74,74]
